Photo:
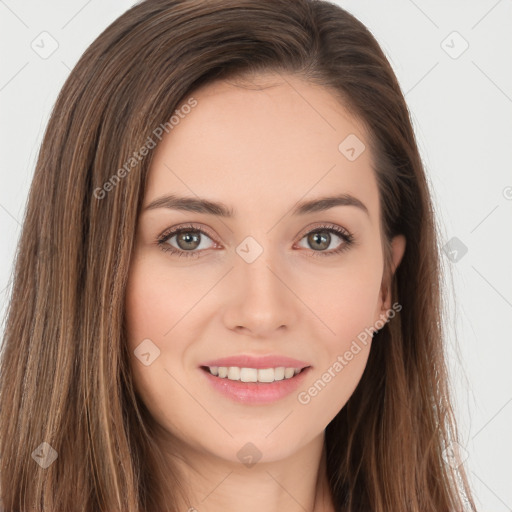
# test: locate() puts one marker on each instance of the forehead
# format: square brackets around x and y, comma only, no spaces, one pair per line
[274,139]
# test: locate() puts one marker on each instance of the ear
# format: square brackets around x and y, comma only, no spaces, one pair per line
[397,252]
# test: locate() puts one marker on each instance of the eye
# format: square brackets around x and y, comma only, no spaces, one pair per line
[186,241]
[321,238]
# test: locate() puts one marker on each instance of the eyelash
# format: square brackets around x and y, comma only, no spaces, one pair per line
[348,240]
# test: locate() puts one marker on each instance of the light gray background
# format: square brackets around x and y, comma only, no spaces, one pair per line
[461,105]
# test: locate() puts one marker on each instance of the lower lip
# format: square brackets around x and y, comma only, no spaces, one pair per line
[256,392]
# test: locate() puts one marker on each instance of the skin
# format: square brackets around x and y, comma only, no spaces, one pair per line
[257,149]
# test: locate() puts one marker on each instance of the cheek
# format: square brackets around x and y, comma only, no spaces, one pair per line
[331,386]
[163,305]
[353,310]
[347,308]
[157,301]
[153,308]
[344,357]
[346,302]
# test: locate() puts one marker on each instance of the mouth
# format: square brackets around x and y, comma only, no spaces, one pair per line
[253,386]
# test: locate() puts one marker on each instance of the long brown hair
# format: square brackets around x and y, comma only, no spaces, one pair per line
[65,377]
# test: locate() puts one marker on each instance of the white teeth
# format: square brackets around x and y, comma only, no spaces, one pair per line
[254,374]
[246,374]
[266,375]
[279,373]
[233,373]
[289,372]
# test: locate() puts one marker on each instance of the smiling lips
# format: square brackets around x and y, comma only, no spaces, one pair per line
[252,380]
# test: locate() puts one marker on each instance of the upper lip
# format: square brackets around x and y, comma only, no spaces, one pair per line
[248,361]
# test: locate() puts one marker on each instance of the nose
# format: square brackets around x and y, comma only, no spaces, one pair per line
[261,300]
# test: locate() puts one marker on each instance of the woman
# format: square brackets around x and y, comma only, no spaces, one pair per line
[227,287]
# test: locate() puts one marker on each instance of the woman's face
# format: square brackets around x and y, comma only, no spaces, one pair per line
[271,279]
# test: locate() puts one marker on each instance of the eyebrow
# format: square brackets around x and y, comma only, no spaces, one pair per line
[200,205]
